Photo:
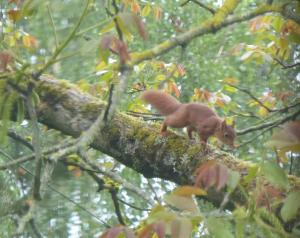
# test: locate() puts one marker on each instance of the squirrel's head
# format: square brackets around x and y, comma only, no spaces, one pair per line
[226,133]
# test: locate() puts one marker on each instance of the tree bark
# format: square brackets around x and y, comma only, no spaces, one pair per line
[131,141]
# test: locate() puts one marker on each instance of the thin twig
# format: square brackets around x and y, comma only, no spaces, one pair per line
[31,157]
[286,66]
[114,198]
[53,25]
[269,125]
[20,139]
[116,178]
[62,194]
[66,42]
[133,206]
[211,10]
[252,96]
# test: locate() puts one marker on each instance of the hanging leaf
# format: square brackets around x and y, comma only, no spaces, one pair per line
[124,22]
[275,174]
[157,13]
[182,203]
[158,228]
[181,228]
[20,110]
[146,10]
[108,27]
[291,206]
[233,180]
[286,139]
[211,173]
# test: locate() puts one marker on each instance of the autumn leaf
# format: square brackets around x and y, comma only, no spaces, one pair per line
[267,195]
[128,22]
[181,70]
[14,15]
[30,41]
[157,13]
[173,88]
[135,7]
[202,95]
[5,59]
[115,232]
[211,173]
[157,228]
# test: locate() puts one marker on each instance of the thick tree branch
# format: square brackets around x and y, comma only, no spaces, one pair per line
[135,143]
[212,25]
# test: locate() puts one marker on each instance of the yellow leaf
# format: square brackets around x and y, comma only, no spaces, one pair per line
[188,191]
[233,81]
[146,10]
[71,167]
[83,85]
[219,102]
[160,77]
[108,27]
[102,65]
[262,112]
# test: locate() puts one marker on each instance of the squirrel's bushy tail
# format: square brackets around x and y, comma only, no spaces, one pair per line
[161,101]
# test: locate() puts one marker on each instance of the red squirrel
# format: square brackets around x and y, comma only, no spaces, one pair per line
[195,116]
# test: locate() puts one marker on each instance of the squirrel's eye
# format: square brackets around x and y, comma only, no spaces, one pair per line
[226,135]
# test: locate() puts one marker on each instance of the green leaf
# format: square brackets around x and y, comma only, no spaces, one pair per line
[252,172]
[275,174]
[291,206]
[182,203]
[181,227]
[35,98]
[233,180]
[229,88]
[218,228]
[20,110]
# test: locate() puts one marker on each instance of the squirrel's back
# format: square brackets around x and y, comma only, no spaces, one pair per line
[161,101]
